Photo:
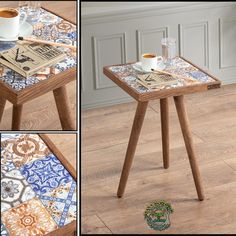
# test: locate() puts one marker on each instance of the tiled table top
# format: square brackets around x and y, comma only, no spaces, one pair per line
[47,27]
[126,77]
[38,195]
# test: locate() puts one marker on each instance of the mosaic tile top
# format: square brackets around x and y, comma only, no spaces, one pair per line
[190,75]
[47,27]
[38,195]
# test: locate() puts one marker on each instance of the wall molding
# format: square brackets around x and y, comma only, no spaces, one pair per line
[97,66]
[109,102]
[182,27]
[140,33]
[149,11]
[222,65]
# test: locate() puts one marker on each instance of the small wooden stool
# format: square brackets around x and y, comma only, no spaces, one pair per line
[55,83]
[125,76]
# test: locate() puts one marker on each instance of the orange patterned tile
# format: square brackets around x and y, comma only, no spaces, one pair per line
[28,219]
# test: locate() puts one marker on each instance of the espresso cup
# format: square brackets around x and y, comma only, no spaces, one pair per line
[10,22]
[150,61]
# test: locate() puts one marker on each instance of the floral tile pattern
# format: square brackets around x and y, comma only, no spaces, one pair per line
[61,203]
[3,230]
[25,149]
[47,27]
[191,75]
[28,219]
[38,194]
[45,174]
[14,190]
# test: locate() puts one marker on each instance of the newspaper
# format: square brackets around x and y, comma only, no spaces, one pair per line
[155,81]
[27,59]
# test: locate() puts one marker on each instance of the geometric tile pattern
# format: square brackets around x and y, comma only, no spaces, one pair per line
[14,190]
[45,174]
[28,219]
[25,149]
[38,194]
[3,230]
[61,203]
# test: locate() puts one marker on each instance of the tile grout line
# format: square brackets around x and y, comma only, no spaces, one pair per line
[104,223]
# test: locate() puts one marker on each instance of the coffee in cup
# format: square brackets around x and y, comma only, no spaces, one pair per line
[8,13]
[150,61]
[10,22]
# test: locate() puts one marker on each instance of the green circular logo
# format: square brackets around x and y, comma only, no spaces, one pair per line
[157,215]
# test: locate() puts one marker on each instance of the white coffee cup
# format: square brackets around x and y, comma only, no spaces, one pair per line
[150,61]
[10,22]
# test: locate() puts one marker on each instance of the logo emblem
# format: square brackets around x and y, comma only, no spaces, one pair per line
[157,215]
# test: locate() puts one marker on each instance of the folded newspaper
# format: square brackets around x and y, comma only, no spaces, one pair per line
[27,59]
[155,81]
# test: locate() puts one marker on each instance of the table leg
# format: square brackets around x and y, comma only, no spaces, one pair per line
[184,123]
[63,107]
[165,130]
[133,140]
[16,117]
[2,106]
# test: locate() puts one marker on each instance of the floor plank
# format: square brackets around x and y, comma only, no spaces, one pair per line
[105,133]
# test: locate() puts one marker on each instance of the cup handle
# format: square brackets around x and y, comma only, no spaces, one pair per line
[24,18]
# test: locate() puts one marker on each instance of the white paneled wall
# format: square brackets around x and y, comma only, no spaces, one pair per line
[205,34]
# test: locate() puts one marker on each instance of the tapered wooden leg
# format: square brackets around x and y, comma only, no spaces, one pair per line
[63,107]
[2,106]
[184,123]
[133,140]
[16,117]
[165,130]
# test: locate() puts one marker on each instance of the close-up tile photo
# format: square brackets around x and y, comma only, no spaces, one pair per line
[39,190]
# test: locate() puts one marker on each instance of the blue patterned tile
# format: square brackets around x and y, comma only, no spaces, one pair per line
[3,230]
[45,174]
[61,203]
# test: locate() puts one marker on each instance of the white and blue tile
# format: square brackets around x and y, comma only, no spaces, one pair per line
[45,174]
[61,203]
[3,230]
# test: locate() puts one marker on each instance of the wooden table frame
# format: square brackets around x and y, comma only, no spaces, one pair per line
[56,83]
[69,229]
[143,99]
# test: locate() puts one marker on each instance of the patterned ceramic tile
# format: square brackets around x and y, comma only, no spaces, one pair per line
[3,230]
[192,75]
[5,137]
[14,190]
[24,149]
[28,219]
[61,203]
[47,27]
[6,162]
[45,174]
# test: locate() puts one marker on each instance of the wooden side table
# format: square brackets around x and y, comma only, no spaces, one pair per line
[19,90]
[196,80]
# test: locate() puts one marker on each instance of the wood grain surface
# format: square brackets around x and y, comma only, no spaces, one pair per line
[105,135]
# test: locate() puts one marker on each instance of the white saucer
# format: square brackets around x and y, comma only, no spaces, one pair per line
[25,30]
[138,66]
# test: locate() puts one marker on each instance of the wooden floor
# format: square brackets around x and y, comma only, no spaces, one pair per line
[41,113]
[105,134]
